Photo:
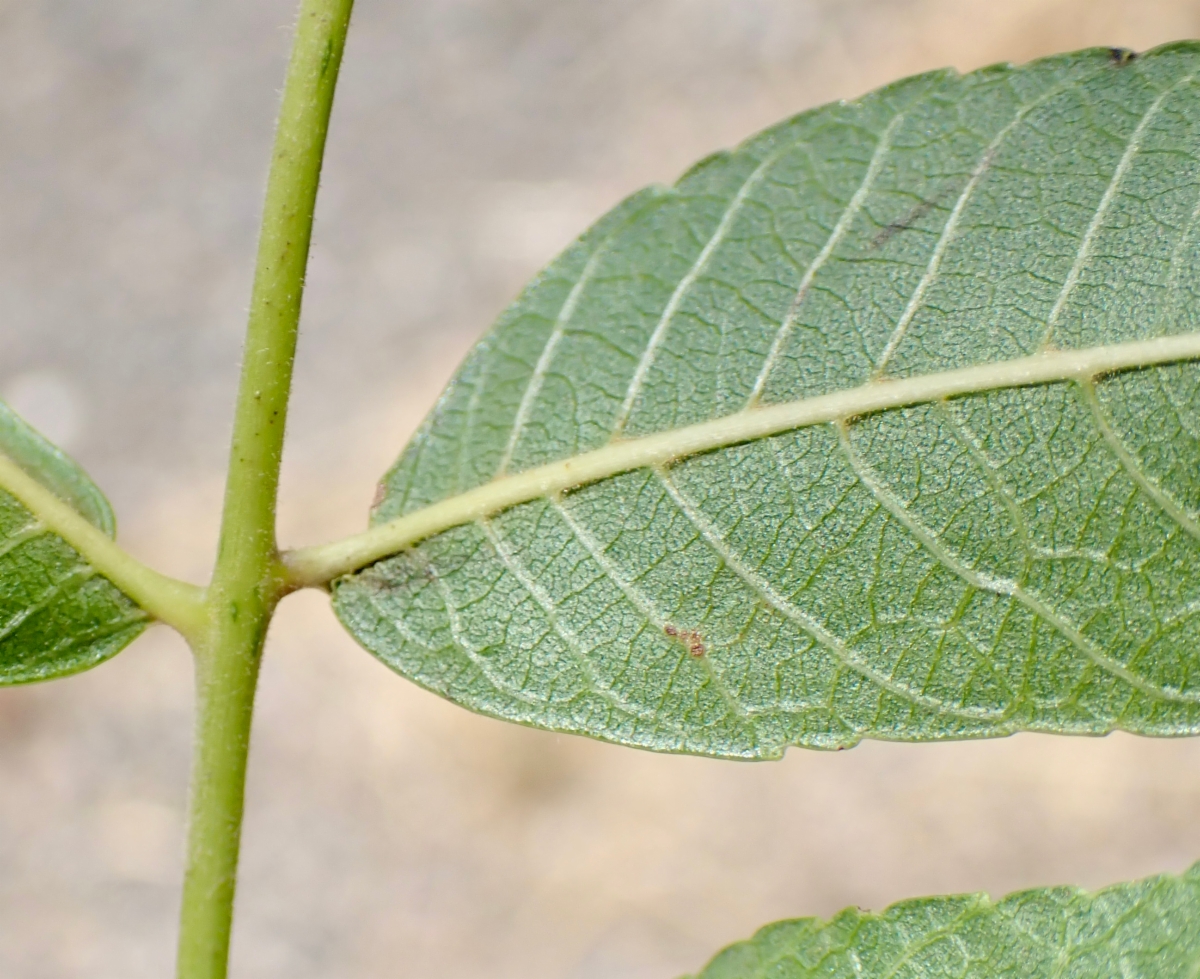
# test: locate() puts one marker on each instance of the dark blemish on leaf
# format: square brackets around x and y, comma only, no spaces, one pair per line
[380,493]
[925,205]
[1120,57]
[890,231]
[689,637]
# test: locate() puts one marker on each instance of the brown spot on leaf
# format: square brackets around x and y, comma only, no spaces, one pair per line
[380,493]
[1121,57]
[689,637]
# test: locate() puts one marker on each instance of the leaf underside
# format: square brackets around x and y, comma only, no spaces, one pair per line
[1025,558]
[54,469]
[58,616]
[1148,929]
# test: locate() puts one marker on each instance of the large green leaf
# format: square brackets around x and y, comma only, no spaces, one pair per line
[902,437]
[1149,929]
[57,615]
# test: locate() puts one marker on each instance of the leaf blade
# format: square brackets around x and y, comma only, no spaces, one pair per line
[1140,929]
[54,469]
[1010,559]
[58,616]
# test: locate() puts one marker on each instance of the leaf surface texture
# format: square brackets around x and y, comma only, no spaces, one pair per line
[1023,558]
[1148,929]
[58,616]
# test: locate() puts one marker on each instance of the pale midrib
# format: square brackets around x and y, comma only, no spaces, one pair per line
[176,603]
[317,565]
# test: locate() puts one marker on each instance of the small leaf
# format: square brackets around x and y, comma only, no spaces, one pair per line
[1148,929]
[974,302]
[54,469]
[57,615]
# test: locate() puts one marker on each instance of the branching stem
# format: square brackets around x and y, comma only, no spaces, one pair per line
[246,582]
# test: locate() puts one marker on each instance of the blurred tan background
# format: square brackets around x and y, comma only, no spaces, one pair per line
[390,834]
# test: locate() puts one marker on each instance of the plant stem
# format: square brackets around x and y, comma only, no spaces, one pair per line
[246,582]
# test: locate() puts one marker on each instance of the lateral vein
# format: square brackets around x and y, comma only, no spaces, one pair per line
[534,386]
[1007,587]
[685,284]
[601,687]
[917,299]
[646,607]
[1131,465]
[849,213]
[840,650]
[1110,192]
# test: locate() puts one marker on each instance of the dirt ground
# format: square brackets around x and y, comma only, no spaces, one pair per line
[391,834]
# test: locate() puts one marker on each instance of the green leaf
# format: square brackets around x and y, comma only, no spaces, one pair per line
[883,425]
[55,470]
[1148,929]
[58,616]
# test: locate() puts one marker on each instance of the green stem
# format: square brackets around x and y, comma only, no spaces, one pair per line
[246,583]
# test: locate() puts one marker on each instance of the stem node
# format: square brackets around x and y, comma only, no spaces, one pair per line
[247,582]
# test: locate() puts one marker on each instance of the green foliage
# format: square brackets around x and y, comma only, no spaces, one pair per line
[883,425]
[1143,930]
[1024,558]
[58,616]
[55,470]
